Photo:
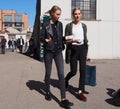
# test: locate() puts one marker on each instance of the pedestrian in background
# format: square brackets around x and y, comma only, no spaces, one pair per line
[76,36]
[21,42]
[13,44]
[3,44]
[52,37]
[9,44]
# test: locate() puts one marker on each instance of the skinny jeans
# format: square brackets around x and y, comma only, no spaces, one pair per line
[58,58]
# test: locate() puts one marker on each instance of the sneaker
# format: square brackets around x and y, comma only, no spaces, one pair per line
[48,97]
[66,103]
[82,96]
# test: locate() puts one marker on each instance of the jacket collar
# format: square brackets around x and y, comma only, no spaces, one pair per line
[49,28]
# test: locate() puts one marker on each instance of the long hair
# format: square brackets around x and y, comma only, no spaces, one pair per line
[76,8]
[53,10]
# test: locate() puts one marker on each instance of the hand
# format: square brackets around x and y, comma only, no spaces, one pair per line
[69,37]
[69,40]
[77,41]
[48,39]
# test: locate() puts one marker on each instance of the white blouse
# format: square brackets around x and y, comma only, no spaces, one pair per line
[77,33]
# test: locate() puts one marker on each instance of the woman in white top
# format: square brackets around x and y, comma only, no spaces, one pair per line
[76,37]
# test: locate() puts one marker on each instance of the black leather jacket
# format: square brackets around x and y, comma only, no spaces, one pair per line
[47,31]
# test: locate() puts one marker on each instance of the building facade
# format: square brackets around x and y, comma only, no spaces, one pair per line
[10,18]
[103,22]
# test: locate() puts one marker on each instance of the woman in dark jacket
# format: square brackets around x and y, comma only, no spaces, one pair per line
[52,37]
[76,37]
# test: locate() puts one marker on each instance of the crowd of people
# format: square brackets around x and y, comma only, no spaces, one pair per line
[20,45]
[13,44]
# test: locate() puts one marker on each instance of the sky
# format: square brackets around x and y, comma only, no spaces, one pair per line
[21,6]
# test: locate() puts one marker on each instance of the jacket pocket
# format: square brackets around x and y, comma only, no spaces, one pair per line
[49,45]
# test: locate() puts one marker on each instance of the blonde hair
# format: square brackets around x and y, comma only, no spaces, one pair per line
[76,8]
[53,9]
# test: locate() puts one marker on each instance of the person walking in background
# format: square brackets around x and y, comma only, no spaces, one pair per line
[18,44]
[21,42]
[52,37]
[76,36]
[31,49]
[3,45]
[26,46]
[13,44]
[9,44]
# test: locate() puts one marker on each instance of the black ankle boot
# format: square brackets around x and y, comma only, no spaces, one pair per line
[48,97]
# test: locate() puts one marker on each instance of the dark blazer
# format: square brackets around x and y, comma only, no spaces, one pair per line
[48,32]
[68,31]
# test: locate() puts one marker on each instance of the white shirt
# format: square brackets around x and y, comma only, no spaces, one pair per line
[78,34]
[21,43]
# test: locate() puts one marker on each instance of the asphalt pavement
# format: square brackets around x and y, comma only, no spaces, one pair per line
[22,84]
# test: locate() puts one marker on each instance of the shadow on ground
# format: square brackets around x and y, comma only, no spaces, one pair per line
[115,101]
[72,90]
[40,88]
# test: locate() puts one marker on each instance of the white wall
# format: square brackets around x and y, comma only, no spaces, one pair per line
[103,33]
[65,5]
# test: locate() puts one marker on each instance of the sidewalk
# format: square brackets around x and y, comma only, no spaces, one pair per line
[22,84]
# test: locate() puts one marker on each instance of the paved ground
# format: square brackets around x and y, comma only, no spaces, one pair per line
[22,84]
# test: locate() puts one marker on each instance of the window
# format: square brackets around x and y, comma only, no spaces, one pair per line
[18,24]
[18,18]
[7,18]
[88,8]
[9,24]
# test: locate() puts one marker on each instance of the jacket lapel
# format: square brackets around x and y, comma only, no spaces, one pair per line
[49,29]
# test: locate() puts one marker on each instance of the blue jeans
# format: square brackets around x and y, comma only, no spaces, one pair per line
[58,58]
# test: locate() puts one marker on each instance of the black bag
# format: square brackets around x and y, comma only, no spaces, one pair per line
[90,75]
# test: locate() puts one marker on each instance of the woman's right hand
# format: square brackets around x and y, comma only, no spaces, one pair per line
[69,39]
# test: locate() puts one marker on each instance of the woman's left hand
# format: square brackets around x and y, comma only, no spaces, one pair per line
[48,39]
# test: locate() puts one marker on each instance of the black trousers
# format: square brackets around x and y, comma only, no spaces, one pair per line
[21,47]
[3,49]
[78,54]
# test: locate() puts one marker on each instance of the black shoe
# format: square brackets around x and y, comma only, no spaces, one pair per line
[85,92]
[66,103]
[48,97]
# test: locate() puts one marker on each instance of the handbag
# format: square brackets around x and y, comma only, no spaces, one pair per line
[90,75]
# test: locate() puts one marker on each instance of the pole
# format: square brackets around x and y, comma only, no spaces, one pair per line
[36,30]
